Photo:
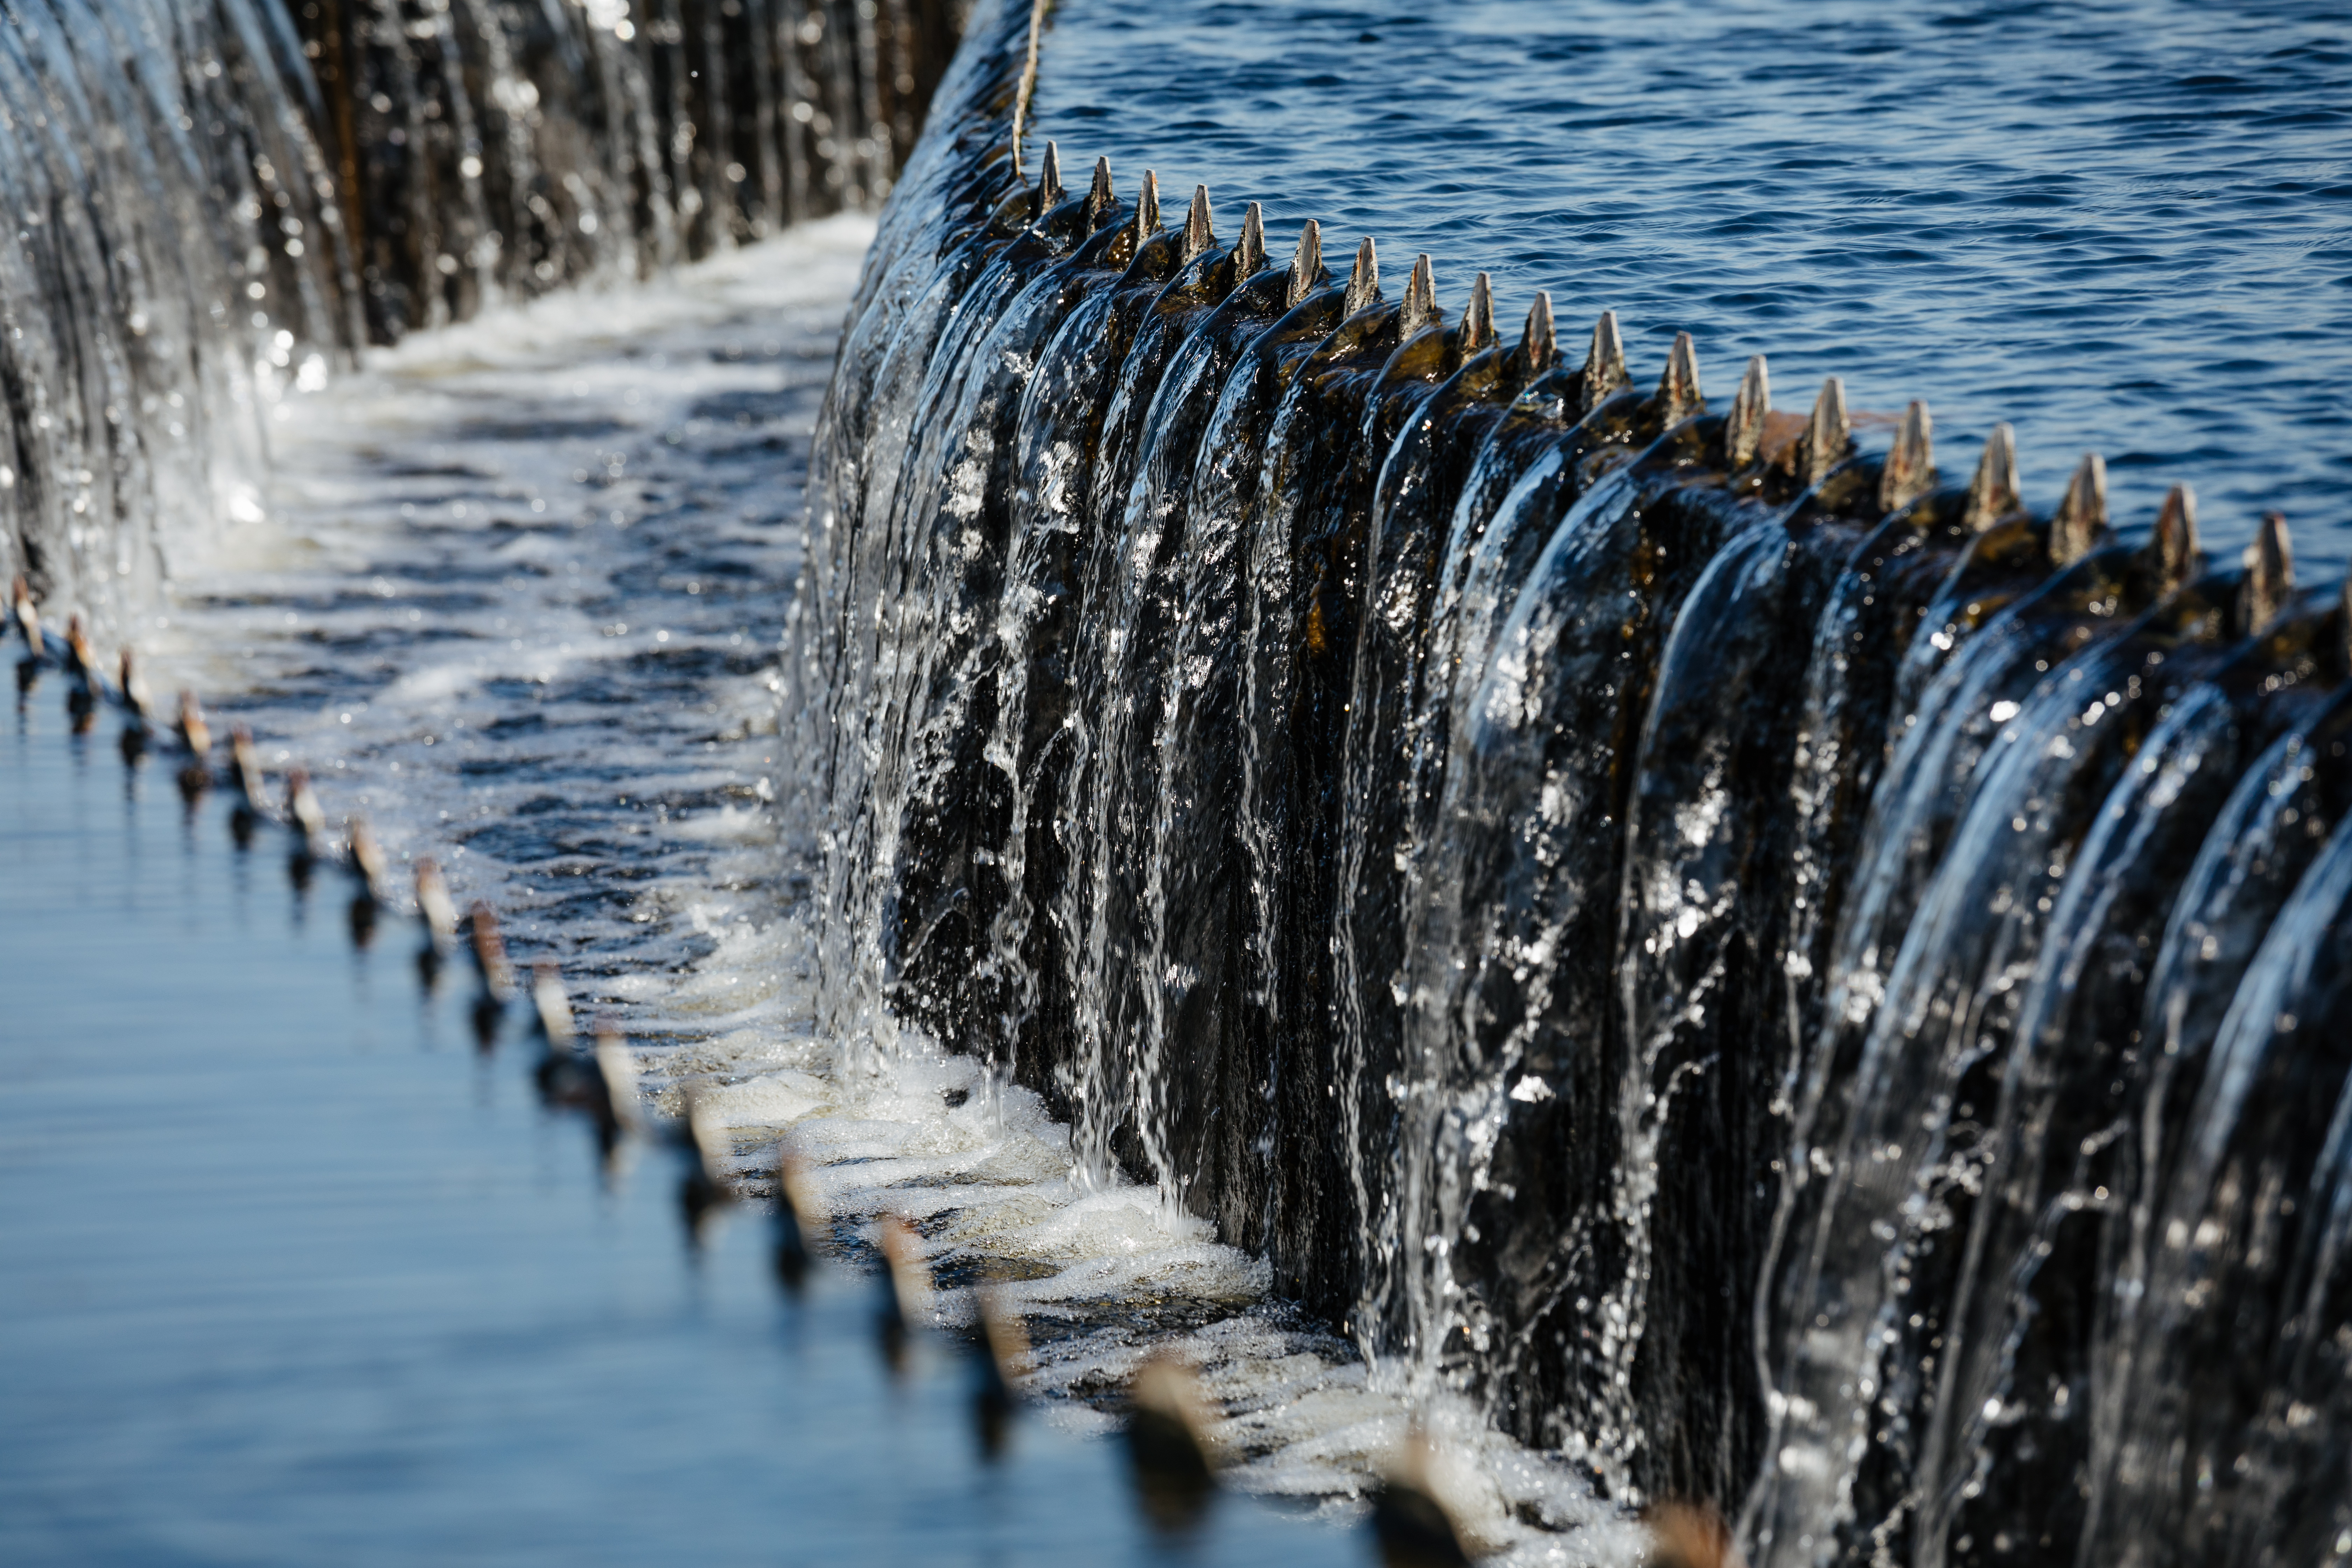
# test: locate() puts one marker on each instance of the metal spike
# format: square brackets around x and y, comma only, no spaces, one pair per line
[134,690]
[491,953]
[619,1070]
[367,858]
[1538,342]
[1829,437]
[1419,310]
[1479,319]
[1678,396]
[706,1191]
[1605,374]
[195,733]
[1910,471]
[1992,494]
[1146,207]
[1249,256]
[905,1288]
[2075,525]
[796,1215]
[302,809]
[1743,433]
[554,1008]
[1306,262]
[2175,544]
[246,771]
[1049,179]
[433,902]
[1364,281]
[1005,1361]
[1197,234]
[2270,572]
[1410,1517]
[1166,1434]
[1100,197]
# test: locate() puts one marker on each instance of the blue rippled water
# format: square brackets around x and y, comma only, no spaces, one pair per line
[2122,228]
[294,1278]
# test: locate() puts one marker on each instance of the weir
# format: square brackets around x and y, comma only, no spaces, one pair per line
[1809,985]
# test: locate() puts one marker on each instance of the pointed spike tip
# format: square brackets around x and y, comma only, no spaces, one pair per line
[1992,493]
[1419,311]
[1478,319]
[1146,207]
[1605,374]
[1743,433]
[194,733]
[1679,397]
[433,902]
[1829,434]
[1167,1434]
[367,856]
[1250,257]
[1910,471]
[1049,178]
[2080,519]
[2270,572]
[1100,197]
[1538,341]
[134,688]
[2175,544]
[1199,232]
[1364,279]
[906,1274]
[1306,262]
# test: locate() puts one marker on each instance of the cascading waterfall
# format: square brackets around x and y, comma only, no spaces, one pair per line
[1803,985]
[214,204]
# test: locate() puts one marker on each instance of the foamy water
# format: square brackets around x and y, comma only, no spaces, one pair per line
[515,595]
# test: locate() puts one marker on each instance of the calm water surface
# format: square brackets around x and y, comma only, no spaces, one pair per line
[2122,228]
[293,1276]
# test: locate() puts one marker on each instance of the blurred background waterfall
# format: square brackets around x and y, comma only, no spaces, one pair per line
[212,203]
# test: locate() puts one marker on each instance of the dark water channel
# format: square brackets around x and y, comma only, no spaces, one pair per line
[293,1276]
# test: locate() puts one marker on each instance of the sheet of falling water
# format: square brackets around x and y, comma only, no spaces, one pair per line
[515,597]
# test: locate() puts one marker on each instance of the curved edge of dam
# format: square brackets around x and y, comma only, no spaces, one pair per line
[1804,983]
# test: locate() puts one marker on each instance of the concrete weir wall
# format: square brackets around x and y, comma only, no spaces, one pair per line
[1809,985]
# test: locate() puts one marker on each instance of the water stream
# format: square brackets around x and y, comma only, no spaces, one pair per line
[1642,907]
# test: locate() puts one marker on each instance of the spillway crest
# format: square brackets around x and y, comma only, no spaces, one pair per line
[1808,982]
